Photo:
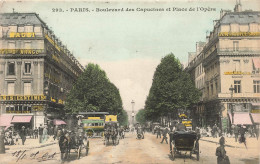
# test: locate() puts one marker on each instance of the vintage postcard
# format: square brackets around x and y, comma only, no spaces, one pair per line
[131,82]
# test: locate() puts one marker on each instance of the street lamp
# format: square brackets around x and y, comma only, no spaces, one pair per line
[133,113]
[231,89]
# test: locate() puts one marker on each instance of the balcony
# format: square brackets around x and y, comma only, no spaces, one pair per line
[239,95]
[239,50]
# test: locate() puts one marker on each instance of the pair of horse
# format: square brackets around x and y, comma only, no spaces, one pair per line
[68,141]
[110,133]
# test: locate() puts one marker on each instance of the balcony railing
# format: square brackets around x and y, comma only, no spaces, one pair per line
[238,95]
[239,50]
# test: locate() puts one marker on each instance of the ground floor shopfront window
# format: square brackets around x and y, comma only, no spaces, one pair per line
[18,109]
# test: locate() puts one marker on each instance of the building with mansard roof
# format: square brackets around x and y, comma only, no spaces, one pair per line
[230,62]
[36,71]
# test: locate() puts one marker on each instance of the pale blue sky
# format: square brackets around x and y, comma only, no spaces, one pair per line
[137,39]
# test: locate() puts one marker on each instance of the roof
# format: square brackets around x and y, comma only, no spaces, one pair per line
[20,19]
[243,17]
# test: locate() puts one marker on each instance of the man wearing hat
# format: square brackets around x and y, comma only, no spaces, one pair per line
[23,134]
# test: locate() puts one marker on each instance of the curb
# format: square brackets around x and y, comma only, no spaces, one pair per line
[42,145]
[33,147]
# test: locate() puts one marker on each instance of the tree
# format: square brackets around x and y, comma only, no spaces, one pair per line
[140,116]
[123,118]
[94,92]
[171,89]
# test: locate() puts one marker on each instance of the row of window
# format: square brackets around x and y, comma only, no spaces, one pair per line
[94,124]
[21,28]
[11,68]
[26,91]
[237,87]
[18,109]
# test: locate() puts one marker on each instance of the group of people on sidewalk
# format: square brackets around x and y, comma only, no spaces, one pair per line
[12,137]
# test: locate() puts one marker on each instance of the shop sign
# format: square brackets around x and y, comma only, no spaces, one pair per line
[238,34]
[52,42]
[22,51]
[29,97]
[237,73]
[38,107]
[22,35]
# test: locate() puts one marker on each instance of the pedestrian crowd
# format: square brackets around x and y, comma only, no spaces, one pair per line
[42,133]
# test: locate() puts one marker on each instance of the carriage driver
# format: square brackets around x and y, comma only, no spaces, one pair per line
[63,144]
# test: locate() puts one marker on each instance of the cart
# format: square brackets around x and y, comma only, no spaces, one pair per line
[78,142]
[184,141]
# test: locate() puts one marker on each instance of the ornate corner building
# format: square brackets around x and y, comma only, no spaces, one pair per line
[36,71]
[226,70]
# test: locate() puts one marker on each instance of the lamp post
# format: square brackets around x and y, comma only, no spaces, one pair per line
[133,113]
[231,89]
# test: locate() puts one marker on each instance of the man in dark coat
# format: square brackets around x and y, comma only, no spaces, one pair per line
[40,133]
[215,130]
[236,132]
[242,135]
[23,134]
[180,127]
[165,132]
[63,144]
[35,131]
[158,131]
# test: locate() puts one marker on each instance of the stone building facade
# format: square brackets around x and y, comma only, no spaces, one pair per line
[36,70]
[231,63]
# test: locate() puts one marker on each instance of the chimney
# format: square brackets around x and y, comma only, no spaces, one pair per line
[238,6]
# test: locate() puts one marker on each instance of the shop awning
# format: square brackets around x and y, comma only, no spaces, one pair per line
[256,118]
[256,62]
[241,118]
[58,122]
[21,119]
[5,120]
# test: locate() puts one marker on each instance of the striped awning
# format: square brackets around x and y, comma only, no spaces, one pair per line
[5,120]
[256,62]
[241,118]
[256,118]
[58,122]
[21,119]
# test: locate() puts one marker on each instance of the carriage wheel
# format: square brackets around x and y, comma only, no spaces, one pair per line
[79,151]
[87,148]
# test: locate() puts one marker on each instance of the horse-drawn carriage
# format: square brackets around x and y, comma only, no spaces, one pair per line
[111,133]
[73,138]
[77,141]
[187,141]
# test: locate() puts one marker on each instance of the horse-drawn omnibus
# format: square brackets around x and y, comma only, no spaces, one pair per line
[93,123]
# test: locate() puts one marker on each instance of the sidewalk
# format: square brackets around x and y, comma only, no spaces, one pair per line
[30,144]
[230,142]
